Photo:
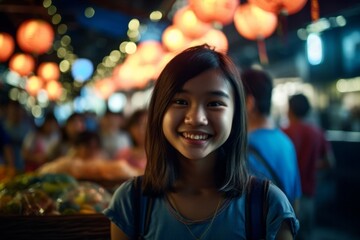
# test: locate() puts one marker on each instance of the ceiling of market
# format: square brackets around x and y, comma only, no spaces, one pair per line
[96,37]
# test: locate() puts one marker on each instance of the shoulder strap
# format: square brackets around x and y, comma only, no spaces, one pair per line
[274,177]
[142,209]
[256,207]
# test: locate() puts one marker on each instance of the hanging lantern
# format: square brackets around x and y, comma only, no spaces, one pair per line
[6,46]
[221,11]
[254,23]
[48,71]
[33,85]
[214,38]
[53,89]
[174,39]
[22,63]
[149,52]
[315,11]
[82,69]
[192,27]
[35,36]
[286,7]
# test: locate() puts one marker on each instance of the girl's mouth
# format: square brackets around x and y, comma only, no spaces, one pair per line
[195,136]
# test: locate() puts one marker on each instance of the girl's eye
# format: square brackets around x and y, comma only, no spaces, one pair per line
[180,102]
[216,104]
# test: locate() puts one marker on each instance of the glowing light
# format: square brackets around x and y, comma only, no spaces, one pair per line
[130,48]
[156,16]
[82,69]
[314,49]
[89,12]
[7,46]
[134,24]
[117,102]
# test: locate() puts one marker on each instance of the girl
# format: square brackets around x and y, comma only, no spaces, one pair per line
[196,147]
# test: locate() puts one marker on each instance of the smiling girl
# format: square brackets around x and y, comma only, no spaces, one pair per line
[196,147]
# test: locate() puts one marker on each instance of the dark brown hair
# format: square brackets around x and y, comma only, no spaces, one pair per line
[259,84]
[162,166]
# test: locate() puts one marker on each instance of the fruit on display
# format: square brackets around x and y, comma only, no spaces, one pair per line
[85,198]
[51,194]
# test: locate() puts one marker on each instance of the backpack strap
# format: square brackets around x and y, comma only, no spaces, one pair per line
[258,156]
[256,207]
[142,209]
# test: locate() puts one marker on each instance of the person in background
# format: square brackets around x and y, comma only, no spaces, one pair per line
[74,125]
[136,126]
[7,157]
[271,153]
[114,138]
[91,120]
[39,142]
[86,161]
[16,124]
[196,145]
[313,152]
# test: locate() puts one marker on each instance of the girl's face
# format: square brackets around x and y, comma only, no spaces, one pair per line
[199,118]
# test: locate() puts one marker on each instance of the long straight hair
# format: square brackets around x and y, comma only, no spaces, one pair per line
[162,167]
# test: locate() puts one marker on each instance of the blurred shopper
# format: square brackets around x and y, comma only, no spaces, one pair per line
[7,157]
[136,126]
[86,160]
[74,125]
[39,143]
[271,153]
[113,137]
[313,153]
[16,124]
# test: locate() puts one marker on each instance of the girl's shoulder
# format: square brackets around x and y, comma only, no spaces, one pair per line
[126,187]
[280,209]
[276,196]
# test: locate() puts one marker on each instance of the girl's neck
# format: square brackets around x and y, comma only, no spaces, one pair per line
[197,174]
[257,121]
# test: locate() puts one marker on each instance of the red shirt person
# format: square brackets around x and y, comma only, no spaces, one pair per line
[313,152]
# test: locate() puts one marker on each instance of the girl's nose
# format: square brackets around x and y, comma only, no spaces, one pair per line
[196,116]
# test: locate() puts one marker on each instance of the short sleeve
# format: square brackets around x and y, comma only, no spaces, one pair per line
[280,210]
[120,210]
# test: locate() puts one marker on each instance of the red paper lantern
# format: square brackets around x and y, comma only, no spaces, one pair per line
[33,85]
[214,38]
[254,23]
[6,46]
[286,7]
[35,36]
[221,11]
[186,20]
[174,39]
[48,71]
[22,63]
[53,89]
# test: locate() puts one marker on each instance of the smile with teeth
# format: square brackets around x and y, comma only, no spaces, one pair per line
[194,136]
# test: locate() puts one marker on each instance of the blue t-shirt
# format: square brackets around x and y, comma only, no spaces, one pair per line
[229,223]
[278,150]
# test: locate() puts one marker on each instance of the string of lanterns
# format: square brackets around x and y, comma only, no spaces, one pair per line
[198,22]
